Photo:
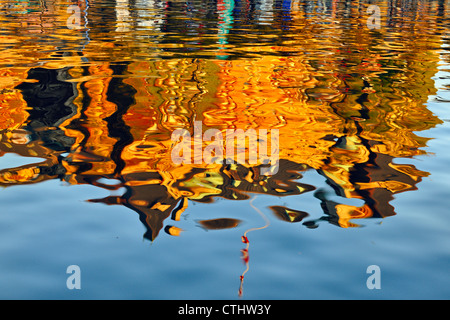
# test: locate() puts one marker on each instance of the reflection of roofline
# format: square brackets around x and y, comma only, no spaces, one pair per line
[154,203]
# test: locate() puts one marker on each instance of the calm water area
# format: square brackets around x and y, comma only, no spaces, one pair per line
[356,92]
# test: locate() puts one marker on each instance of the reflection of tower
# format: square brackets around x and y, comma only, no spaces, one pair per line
[150,199]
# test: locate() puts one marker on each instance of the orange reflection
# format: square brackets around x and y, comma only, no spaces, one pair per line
[347,104]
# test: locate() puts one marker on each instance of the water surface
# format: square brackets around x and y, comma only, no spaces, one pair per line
[92,91]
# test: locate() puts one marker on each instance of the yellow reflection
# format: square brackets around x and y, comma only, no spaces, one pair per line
[346,105]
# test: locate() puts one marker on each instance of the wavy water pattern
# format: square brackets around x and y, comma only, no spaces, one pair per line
[91,93]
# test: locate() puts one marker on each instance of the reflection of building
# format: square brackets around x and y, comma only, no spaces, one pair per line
[374,180]
[346,112]
[155,196]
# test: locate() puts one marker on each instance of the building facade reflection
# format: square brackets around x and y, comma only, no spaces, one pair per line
[347,112]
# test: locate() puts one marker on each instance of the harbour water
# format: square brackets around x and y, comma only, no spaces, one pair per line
[358,93]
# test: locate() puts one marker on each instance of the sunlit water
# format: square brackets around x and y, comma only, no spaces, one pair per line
[91,92]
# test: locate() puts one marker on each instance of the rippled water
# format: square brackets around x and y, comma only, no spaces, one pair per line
[91,93]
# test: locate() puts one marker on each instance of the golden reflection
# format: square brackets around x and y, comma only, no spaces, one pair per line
[98,104]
